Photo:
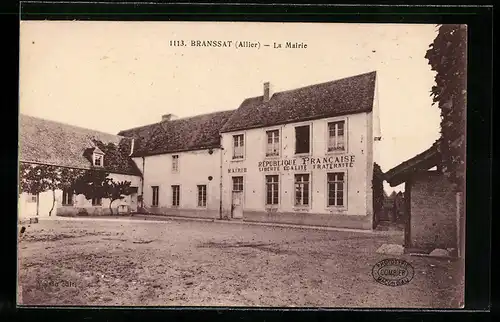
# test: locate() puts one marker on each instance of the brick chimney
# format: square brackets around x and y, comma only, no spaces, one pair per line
[168,117]
[268,93]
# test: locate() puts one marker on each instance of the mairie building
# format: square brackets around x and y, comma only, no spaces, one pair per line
[302,156]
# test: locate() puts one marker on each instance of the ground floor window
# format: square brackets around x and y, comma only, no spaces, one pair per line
[156,196]
[176,195]
[237,183]
[32,197]
[202,196]
[272,190]
[67,197]
[96,201]
[336,189]
[302,190]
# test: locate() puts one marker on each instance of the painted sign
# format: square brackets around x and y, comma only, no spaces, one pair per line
[237,170]
[306,163]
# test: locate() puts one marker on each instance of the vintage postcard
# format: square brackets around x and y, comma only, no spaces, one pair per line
[241,164]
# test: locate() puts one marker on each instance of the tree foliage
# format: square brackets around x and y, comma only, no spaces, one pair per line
[447,56]
[95,183]
[378,190]
[92,183]
[38,178]
[116,190]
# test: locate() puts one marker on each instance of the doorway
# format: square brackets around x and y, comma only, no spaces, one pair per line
[237,204]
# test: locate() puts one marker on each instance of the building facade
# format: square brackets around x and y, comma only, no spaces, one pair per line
[304,156]
[180,160]
[49,143]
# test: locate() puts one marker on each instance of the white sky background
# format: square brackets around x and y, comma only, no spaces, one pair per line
[111,76]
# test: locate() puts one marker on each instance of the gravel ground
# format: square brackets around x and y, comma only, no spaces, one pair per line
[190,263]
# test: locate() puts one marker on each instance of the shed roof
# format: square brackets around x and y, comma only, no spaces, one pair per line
[422,161]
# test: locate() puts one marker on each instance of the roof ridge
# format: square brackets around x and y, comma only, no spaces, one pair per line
[323,83]
[200,115]
[181,118]
[70,125]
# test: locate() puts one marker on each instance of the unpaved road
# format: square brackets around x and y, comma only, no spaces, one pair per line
[187,263]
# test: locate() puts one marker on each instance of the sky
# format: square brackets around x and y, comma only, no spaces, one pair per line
[111,76]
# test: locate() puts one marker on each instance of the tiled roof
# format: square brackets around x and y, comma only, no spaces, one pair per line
[422,161]
[49,142]
[185,134]
[344,96]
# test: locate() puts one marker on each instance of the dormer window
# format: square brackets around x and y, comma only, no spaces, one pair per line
[98,159]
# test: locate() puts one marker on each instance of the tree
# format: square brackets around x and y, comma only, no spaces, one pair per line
[95,183]
[92,183]
[115,191]
[65,179]
[447,56]
[33,179]
[52,175]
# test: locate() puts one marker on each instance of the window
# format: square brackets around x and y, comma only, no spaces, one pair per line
[238,146]
[67,197]
[202,196]
[156,196]
[336,137]
[302,189]
[272,190]
[302,138]
[336,188]
[32,198]
[176,195]
[98,160]
[175,163]
[273,143]
[96,201]
[237,183]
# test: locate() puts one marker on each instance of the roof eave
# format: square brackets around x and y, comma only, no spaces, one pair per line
[404,171]
[366,110]
[139,155]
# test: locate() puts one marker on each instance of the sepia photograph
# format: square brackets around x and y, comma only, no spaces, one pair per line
[241,164]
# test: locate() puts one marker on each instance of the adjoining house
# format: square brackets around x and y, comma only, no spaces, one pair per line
[433,207]
[53,143]
[303,156]
[181,162]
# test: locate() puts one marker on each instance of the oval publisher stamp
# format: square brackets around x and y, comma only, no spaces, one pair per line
[393,272]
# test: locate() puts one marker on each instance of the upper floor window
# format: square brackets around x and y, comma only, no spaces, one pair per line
[336,189]
[336,136]
[302,139]
[156,196]
[98,160]
[238,146]
[202,196]
[175,163]
[273,143]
